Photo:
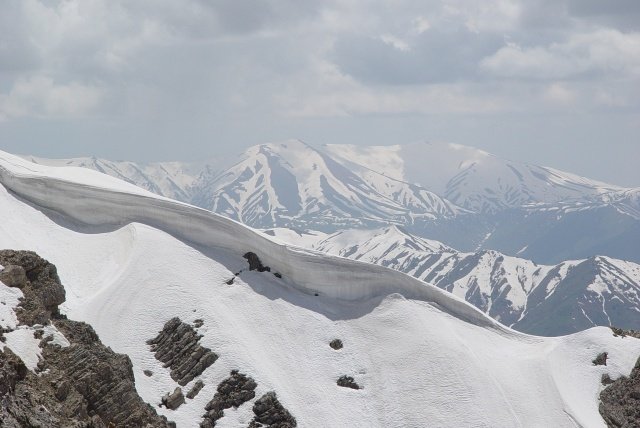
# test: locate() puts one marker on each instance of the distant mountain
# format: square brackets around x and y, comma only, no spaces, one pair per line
[468,199]
[294,184]
[469,177]
[536,299]
[171,179]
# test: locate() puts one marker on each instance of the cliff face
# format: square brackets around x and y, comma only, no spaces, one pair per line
[78,382]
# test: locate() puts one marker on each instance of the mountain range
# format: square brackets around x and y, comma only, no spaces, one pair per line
[265,334]
[461,196]
[547,300]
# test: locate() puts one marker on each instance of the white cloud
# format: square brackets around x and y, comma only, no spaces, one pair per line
[42,97]
[599,52]
[395,42]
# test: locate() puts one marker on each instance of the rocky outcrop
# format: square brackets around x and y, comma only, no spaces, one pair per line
[234,391]
[336,344]
[42,289]
[14,276]
[348,382]
[84,384]
[255,263]
[195,390]
[624,333]
[270,413]
[600,360]
[620,401]
[174,400]
[177,347]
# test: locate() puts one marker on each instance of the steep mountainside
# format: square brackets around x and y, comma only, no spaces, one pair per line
[470,178]
[294,184]
[158,279]
[536,299]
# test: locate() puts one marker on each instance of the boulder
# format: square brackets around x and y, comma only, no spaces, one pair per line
[14,276]
[174,400]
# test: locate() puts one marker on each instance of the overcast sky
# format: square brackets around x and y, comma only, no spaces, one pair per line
[553,82]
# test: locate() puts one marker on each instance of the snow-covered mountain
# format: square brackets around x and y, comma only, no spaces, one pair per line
[131,261]
[522,210]
[469,177]
[536,299]
[294,184]
[171,179]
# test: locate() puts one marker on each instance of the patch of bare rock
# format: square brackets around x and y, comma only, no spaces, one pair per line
[83,385]
[177,347]
[620,401]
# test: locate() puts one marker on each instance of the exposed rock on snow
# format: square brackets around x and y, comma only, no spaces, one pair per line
[336,344]
[43,291]
[14,276]
[234,391]
[600,360]
[620,401]
[177,347]
[348,382]
[82,382]
[255,263]
[173,400]
[624,333]
[270,413]
[195,389]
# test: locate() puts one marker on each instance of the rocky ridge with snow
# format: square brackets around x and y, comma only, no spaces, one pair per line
[76,380]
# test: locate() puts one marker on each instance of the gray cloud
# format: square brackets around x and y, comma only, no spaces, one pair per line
[164,79]
[432,57]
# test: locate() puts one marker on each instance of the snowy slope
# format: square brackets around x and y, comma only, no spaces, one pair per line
[292,183]
[538,299]
[469,177]
[171,179]
[132,261]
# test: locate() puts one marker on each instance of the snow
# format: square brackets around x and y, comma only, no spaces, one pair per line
[130,262]
[22,342]
[469,177]
[9,300]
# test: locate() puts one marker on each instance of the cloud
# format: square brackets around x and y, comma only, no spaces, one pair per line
[602,52]
[430,57]
[40,96]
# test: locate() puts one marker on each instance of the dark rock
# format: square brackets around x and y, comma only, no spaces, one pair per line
[624,333]
[195,390]
[620,401]
[42,291]
[14,276]
[277,275]
[147,373]
[174,400]
[336,344]
[255,263]
[234,391]
[177,347]
[62,390]
[606,379]
[270,413]
[600,360]
[230,281]
[198,323]
[348,382]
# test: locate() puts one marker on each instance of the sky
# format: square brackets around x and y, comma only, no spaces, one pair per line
[551,82]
